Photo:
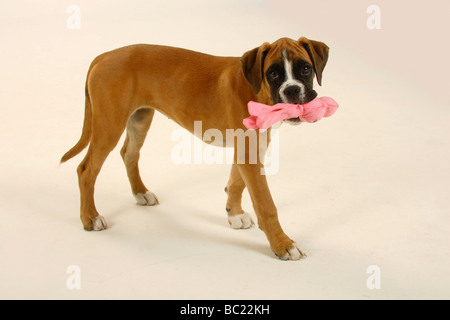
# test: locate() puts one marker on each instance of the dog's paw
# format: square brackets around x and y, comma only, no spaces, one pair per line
[98,224]
[240,221]
[146,199]
[291,253]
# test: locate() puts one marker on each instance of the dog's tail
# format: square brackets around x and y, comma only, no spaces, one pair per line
[85,134]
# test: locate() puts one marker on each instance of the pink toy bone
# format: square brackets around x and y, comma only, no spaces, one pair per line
[263,116]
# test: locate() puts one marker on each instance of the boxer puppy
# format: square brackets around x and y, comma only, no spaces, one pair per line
[125,86]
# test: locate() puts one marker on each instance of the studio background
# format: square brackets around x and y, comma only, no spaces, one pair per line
[374,194]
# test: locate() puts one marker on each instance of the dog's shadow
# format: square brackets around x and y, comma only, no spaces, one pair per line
[253,240]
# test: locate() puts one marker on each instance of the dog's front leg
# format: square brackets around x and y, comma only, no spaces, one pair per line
[266,212]
[237,218]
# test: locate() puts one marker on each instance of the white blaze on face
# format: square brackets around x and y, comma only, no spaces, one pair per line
[290,79]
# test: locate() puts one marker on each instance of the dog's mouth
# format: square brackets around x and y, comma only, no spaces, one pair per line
[294,121]
[311,95]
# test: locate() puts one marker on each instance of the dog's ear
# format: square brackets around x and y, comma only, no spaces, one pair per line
[318,52]
[252,63]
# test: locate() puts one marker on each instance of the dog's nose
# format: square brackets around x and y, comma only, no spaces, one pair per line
[292,92]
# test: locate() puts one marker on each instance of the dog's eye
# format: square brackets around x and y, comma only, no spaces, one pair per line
[306,70]
[273,74]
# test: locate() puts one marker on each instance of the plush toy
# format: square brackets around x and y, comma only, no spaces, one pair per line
[263,116]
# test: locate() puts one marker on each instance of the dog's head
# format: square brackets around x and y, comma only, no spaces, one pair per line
[284,70]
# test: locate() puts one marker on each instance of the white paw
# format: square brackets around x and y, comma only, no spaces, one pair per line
[146,199]
[240,221]
[293,253]
[99,223]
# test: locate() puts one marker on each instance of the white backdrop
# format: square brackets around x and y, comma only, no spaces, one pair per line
[374,194]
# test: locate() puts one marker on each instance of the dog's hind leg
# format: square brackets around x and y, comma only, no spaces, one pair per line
[106,132]
[137,128]
[237,218]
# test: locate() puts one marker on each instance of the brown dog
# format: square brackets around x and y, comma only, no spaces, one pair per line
[125,86]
